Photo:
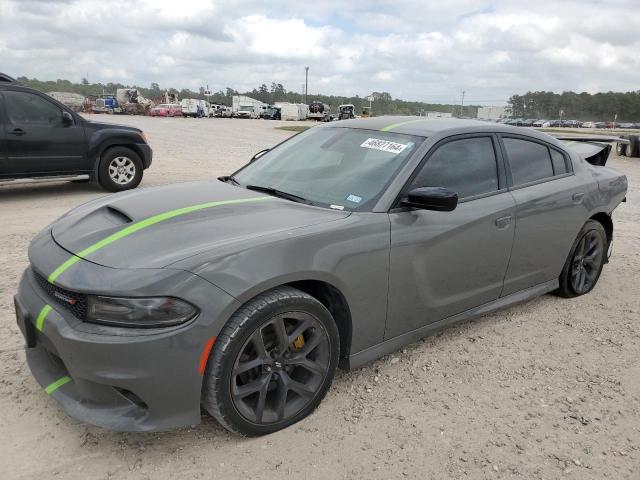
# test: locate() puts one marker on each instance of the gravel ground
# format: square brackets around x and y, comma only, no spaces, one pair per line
[548,389]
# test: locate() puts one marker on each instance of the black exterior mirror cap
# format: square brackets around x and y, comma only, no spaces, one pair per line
[67,119]
[432,198]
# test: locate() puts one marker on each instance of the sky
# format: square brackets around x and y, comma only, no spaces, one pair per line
[420,50]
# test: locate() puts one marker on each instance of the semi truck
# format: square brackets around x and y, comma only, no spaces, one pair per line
[107,103]
[319,111]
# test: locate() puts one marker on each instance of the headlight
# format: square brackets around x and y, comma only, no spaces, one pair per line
[150,312]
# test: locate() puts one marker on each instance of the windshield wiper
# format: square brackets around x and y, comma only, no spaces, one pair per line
[278,193]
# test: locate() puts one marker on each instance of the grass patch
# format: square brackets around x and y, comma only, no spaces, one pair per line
[294,128]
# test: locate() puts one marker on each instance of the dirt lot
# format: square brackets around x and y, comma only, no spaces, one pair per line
[548,389]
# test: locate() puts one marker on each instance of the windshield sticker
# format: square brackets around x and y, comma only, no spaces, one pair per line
[384,145]
[337,207]
[354,198]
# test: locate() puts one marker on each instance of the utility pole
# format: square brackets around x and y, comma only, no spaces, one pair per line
[306,84]
[462,103]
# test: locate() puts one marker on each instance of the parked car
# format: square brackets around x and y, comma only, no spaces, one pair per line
[46,141]
[271,113]
[539,123]
[600,125]
[571,123]
[588,125]
[626,125]
[337,246]
[166,110]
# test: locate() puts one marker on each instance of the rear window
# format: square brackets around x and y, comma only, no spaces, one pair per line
[529,161]
[559,162]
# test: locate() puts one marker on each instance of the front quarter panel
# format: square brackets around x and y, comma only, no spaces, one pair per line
[351,254]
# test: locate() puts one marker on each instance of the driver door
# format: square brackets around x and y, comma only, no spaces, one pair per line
[444,263]
[38,142]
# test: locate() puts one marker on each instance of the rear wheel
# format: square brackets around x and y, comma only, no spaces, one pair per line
[120,169]
[584,264]
[272,364]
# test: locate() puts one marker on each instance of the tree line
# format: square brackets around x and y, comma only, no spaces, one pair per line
[383,104]
[605,107]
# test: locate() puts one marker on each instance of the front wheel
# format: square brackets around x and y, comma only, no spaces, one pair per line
[272,364]
[120,169]
[586,259]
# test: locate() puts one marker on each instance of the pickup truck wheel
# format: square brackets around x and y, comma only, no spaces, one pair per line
[120,169]
[272,363]
[584,264]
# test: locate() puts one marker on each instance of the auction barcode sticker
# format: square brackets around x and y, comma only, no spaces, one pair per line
[384,145]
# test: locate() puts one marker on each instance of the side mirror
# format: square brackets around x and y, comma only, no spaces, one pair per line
[67,119]
[259,154]
[432,198]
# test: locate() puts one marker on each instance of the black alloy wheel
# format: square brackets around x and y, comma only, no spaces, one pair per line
[587,262]
[272,363]
[280,368]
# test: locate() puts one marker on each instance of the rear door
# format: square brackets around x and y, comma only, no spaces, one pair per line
[443,263]
[37,142]
[549,210]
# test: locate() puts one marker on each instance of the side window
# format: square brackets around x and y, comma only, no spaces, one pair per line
[467,166]
[529,161]
[559,162]
[28,109]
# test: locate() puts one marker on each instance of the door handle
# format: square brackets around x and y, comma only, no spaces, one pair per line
[503,222]
[17,131]
[577,197]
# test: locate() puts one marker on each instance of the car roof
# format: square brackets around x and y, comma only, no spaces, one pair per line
[428,127]
[409,125]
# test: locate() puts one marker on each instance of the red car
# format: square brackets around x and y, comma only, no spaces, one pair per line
[166,110]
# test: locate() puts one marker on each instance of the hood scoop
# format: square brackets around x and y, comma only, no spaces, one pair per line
[119,214]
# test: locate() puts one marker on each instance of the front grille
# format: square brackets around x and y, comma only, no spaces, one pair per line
[76,303]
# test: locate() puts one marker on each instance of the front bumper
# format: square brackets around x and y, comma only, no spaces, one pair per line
[117,378]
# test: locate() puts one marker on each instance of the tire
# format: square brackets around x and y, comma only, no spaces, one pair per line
[127,173]
[621,149]
[252,329]
[570,281]
[632,148]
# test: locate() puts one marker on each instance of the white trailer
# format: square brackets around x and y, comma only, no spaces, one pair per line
[293,111]
[246,107]
[190,107]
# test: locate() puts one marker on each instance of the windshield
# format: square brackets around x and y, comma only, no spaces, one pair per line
[245,108]
[340,168]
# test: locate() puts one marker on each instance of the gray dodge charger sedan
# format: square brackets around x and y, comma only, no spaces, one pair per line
[243,294]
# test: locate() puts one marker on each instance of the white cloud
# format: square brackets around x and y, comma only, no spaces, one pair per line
[413,49]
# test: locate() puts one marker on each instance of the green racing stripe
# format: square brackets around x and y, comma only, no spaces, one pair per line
[42,316]
[52,387]
[399,124]
[125,232]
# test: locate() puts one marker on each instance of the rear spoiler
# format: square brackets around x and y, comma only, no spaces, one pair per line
[595,149]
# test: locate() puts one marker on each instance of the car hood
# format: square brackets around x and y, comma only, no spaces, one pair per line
[155,227]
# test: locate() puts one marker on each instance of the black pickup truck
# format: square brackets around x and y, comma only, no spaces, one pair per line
[43,140]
